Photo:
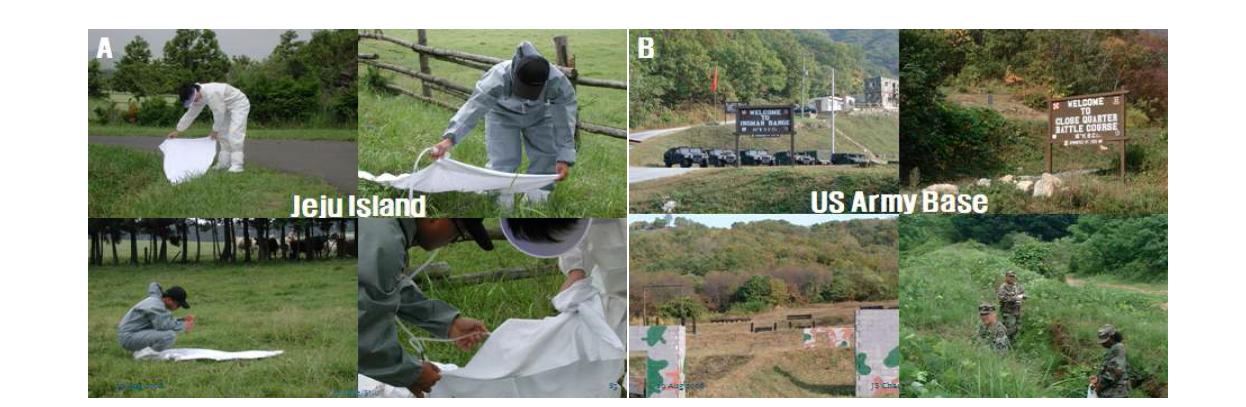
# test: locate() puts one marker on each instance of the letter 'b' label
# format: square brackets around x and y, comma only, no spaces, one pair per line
[644,47]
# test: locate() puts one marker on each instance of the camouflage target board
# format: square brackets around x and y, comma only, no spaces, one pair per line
[878,352]
[664,348]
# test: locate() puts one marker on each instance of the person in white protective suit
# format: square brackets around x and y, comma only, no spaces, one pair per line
[230,108]
[528,105]
[593,249]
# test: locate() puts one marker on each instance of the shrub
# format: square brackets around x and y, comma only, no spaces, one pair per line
[1036,256]
[683,307]
[155,111]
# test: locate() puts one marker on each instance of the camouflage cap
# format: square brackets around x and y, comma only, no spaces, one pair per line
[1106,332]
[1010,273]
[985,308]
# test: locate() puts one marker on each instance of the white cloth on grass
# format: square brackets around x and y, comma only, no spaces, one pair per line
[573,354]
[180,354]
[371,388]
[447,174]
[188,158]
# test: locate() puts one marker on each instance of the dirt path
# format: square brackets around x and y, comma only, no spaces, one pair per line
[334,161]
[1076,282]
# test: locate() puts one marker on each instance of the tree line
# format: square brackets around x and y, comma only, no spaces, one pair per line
[755,266]
[301,81]
[227,240]
[1129,247]
[755,66]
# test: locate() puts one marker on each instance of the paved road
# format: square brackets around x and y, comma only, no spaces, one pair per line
[337,162]
[640,174]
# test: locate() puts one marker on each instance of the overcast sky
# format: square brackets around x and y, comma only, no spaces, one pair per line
[256,44]
[725,221]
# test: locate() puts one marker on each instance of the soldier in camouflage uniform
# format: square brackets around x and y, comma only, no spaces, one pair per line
[991,332]
[1010,296]
[1112,381]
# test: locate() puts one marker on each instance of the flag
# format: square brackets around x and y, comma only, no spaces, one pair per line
[714,82]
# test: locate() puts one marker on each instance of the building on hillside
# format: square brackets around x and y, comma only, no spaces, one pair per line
[827,104]
[881,92]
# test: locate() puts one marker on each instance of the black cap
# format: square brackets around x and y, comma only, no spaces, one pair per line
[187,92]
[178,295]
[530,76]
[476,228]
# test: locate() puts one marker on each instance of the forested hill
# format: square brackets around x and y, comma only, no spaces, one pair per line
[882,48]
[692,248]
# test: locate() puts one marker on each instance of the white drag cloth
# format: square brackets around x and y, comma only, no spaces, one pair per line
[180,354]
[573,354]
[185,159]
[446,175]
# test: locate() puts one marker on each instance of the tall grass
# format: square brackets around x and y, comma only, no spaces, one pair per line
[1056,349]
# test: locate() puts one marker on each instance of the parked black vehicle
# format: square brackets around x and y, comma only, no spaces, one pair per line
[803,109]
[756,157]
[721,158]
[684,156]
[850,158]
[783,158]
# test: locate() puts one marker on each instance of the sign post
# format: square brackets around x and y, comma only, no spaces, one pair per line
[1087,120]
[765,121]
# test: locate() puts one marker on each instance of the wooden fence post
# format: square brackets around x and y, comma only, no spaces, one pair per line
[562,48]
[423,40]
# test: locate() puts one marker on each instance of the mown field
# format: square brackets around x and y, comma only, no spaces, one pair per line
[304,309]
[394,129]
[1056,349]
[777,189]
[124,182]
[725,360]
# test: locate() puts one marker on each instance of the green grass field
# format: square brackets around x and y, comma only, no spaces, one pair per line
[124,182]
[203,125]
[1056,350]
[878,133]
[776,189]
[492,302]
[304,309]
[394,128]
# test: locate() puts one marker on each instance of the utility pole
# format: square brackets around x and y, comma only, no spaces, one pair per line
[834,107]
[804,83]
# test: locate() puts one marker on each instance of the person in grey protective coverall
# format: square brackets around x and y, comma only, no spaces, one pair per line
[150,323]
[528,105]
[386,291]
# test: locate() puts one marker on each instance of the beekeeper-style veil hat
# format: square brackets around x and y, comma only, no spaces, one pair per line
[544,238]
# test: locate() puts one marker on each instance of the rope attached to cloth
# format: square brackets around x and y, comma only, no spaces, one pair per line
[414,340]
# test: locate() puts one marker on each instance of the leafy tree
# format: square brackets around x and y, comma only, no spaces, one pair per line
[137,72]
[95,80]
[194,56]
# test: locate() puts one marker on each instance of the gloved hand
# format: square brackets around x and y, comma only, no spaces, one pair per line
[213,135]
[430,374]
[440,149]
